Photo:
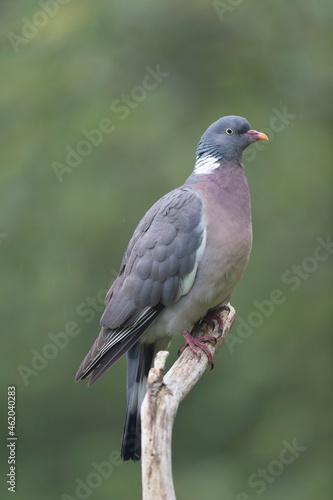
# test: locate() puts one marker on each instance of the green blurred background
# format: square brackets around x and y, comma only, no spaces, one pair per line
[63,65]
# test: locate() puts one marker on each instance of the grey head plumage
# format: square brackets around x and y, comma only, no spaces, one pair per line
[227,138]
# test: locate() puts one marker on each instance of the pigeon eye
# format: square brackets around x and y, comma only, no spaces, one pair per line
[229,131]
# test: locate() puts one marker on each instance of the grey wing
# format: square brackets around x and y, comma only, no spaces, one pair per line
[158,267]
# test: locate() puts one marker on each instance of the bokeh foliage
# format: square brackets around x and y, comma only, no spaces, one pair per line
[62,242]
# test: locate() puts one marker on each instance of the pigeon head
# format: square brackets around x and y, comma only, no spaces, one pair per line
[227,138]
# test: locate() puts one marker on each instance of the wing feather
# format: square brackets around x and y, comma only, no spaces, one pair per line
[159,266]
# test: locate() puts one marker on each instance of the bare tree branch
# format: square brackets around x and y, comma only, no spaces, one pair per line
[161,403]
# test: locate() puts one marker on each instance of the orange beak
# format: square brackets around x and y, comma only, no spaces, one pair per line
[257,136]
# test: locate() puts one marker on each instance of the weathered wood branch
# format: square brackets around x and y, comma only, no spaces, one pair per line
[159,408]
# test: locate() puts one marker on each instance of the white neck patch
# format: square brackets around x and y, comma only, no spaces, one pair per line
[206,164]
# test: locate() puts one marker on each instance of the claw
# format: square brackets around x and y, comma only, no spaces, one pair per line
[214,315]
[197,345]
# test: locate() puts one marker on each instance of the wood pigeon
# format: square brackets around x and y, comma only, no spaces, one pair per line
[184,260]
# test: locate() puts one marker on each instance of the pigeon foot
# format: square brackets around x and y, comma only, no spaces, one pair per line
[214,315]
[197,345]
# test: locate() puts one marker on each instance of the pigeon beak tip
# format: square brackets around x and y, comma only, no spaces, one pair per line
[262,136]
[258,136]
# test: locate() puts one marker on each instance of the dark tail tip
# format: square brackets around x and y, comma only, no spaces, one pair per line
[131,445]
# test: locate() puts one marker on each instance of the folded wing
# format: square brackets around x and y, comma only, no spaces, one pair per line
[158,267]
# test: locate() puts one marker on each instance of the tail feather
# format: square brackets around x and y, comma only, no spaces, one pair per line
[139,361]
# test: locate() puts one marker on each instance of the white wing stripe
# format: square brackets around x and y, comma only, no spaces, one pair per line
[187,282]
